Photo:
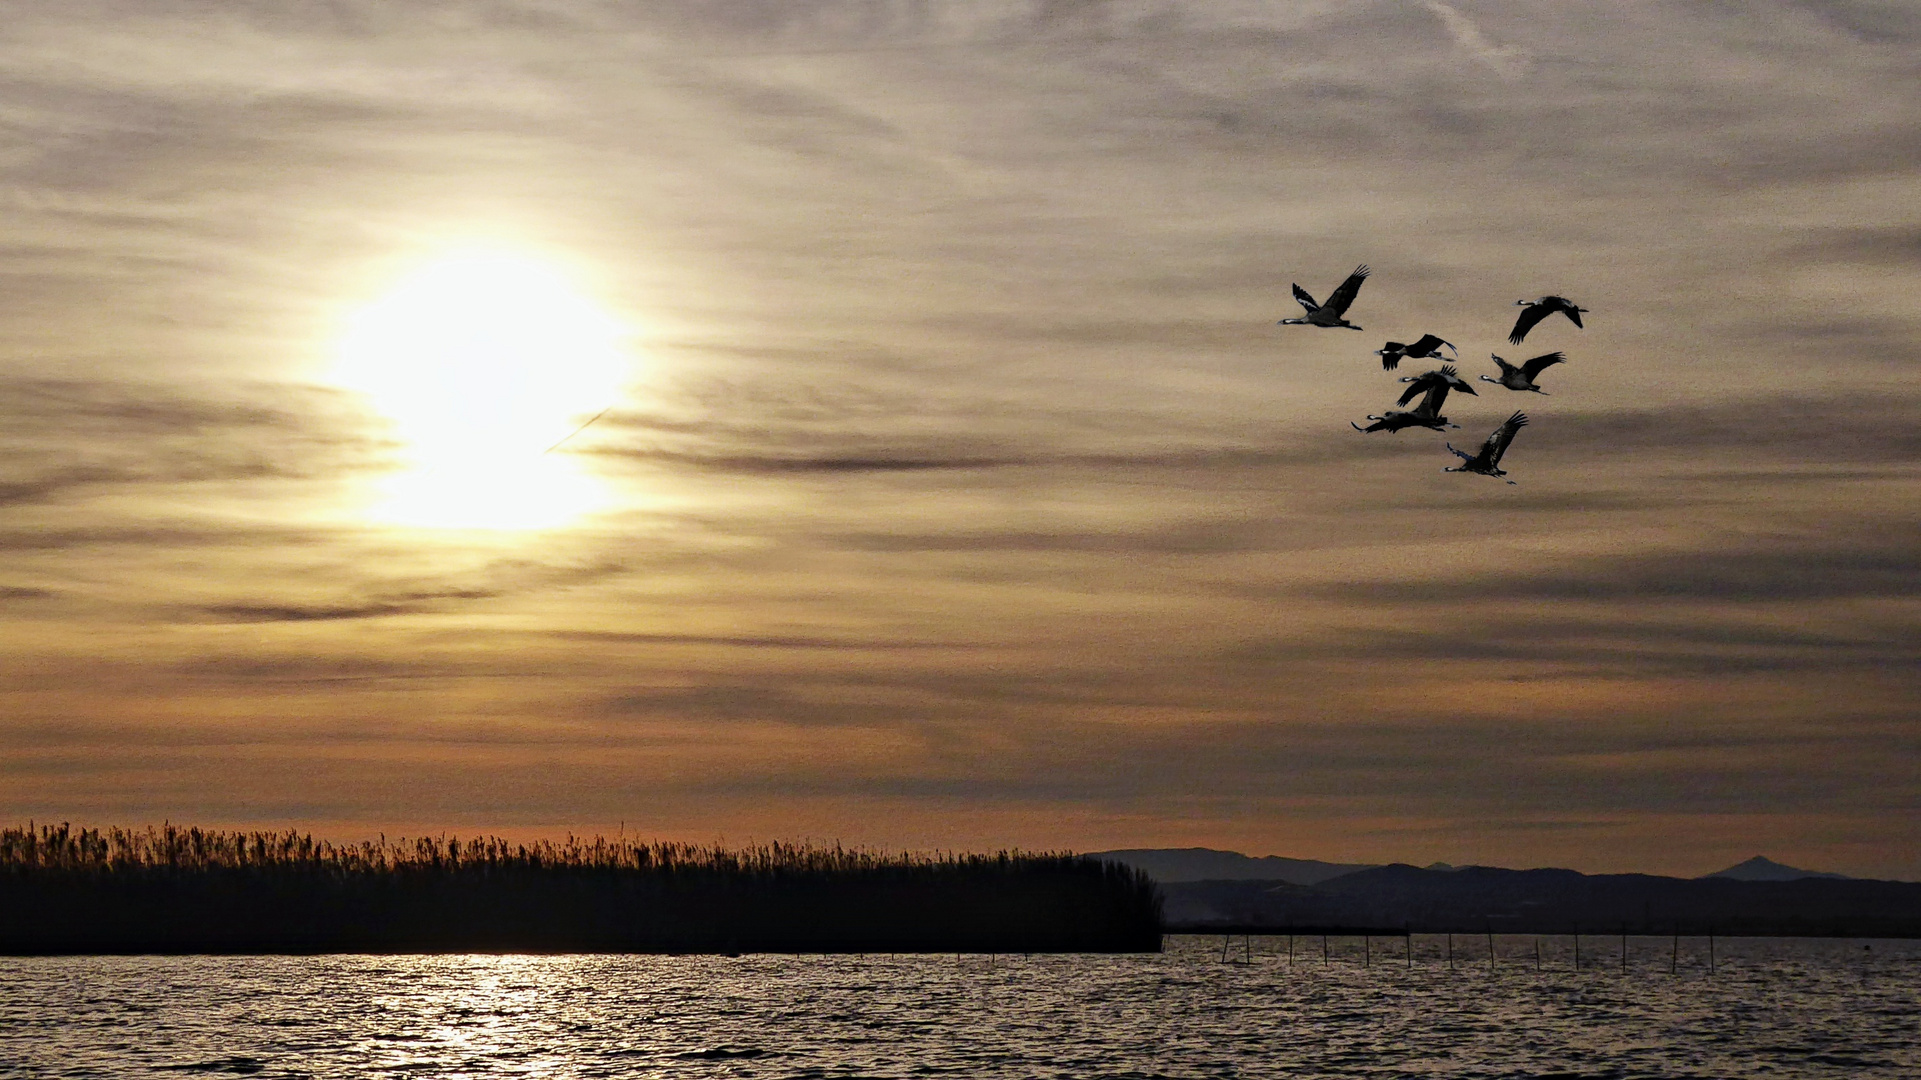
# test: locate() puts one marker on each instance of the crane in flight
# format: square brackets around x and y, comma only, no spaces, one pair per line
[1427,414]
[1536,310]
[1488,461]
[1330,314]
[1428,348]
[1522,378]
[1446,376]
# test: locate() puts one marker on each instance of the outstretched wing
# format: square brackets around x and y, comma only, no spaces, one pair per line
[1531,314]
[1415,386]
[1306,301]
[1340,298]
[1463,455]
[1436,396]
[1572,312]
[1541,363]
[1497,443]
[1426,345]
[1391,354]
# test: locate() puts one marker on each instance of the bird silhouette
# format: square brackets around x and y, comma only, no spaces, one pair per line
[1427,414]
[1536,310]
[1488,461]
[1427,348]
[1446,376]
[1522,378]
[1330,314]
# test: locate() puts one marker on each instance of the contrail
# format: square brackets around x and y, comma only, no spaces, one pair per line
[578,430]
[1508,61]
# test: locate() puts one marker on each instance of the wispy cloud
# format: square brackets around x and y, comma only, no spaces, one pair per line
[964,474]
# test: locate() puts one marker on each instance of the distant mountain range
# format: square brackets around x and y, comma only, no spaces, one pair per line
[1213,890]
[1171,865]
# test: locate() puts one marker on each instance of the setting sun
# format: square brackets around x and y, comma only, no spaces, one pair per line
[483,361]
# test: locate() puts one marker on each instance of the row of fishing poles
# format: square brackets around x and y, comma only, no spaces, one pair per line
[1367,951]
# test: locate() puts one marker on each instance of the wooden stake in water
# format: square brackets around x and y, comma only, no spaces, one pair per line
[1537,952]
[1323,948]
[1367,950]
[1577,948]
[1624,950]
[1710,951]
[1450,951]
[1674,958]
[1410,949]
[1490,951]
[1290,950]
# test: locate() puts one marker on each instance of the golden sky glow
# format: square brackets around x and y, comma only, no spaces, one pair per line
[956,486]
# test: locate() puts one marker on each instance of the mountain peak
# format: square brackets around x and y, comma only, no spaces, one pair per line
[1762,868]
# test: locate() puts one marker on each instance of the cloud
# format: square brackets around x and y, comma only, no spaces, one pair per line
[746,641]
[262,613]
[1895,246]
[1535,647]
[43,488]
[1888,565]
[374,594]
[960,423]
[75,437]
[1879,21]
[257,669]
[54,539]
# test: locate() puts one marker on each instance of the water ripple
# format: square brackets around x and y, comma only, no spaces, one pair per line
[1773,1008]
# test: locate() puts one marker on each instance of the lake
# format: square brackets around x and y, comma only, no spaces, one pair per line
[1770,1008]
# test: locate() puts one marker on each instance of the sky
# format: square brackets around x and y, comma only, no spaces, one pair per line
[949,482]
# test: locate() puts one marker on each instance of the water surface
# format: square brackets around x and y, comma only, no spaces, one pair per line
[1771,1008]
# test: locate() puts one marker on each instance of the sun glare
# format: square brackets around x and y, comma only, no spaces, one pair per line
[483,361]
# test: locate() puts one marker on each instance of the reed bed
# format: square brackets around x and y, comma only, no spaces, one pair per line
[178,889]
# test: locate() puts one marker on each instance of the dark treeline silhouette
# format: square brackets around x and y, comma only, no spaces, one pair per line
[189,890]
[1480,898]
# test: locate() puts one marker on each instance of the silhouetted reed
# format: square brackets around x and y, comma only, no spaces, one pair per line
[181,890]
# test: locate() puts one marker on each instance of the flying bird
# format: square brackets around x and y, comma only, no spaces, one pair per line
[1541,309]
[1446,378]
[1427,414]
[1329,314]
[1488,461]
[1522,378]
[1427,348]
